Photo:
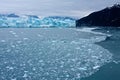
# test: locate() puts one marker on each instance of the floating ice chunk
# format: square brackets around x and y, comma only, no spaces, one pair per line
[78,76]
[78,48]
[13,46]
[9,67]
[108,31]
[61,66]
[39,35]
[16,35]
[67,75]
[25,38]
[25,75]
[95,57]
[72,69]
[116,62]
[8,50]
[82,68]
[34,69]
[19,41]
[96,67]
[14,79]
[3,41]
[22,32]
[11,31]
[54,41]
[74,42]
[40,61]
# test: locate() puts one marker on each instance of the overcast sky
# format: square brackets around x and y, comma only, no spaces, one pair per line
[73,8]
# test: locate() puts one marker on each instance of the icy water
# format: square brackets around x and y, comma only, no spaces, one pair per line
[109,71]
[52,54]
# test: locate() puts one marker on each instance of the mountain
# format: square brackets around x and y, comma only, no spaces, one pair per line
[9,15]
[12,15]
[33,16]
[14,20]
[109,16]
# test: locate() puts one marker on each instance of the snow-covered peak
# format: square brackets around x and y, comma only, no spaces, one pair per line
[117,5]
[9,15]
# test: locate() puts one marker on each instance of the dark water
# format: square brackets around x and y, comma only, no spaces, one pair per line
[109,71]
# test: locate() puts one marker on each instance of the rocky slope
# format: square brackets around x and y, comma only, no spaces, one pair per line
[109,16]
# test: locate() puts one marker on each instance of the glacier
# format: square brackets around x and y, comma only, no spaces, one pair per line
[32,21]
[50,54]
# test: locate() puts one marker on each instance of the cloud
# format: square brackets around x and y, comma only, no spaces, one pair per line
[75,8]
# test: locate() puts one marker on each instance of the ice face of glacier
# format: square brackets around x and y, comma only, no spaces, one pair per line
[12,20]
[50,54]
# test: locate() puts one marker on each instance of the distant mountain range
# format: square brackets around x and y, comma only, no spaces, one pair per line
[14,20]
[109,16]
[9,15]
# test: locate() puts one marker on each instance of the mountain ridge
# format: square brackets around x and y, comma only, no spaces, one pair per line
[109,16]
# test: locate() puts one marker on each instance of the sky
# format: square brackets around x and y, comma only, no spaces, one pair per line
[72,8]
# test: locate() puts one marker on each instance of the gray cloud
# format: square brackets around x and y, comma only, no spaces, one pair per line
[74,8]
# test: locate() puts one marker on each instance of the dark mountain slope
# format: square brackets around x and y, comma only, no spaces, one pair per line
[109,16]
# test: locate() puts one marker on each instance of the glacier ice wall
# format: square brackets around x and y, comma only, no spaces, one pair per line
[13,20]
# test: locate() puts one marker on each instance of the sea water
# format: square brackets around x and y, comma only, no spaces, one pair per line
[50,54]
[111,70]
